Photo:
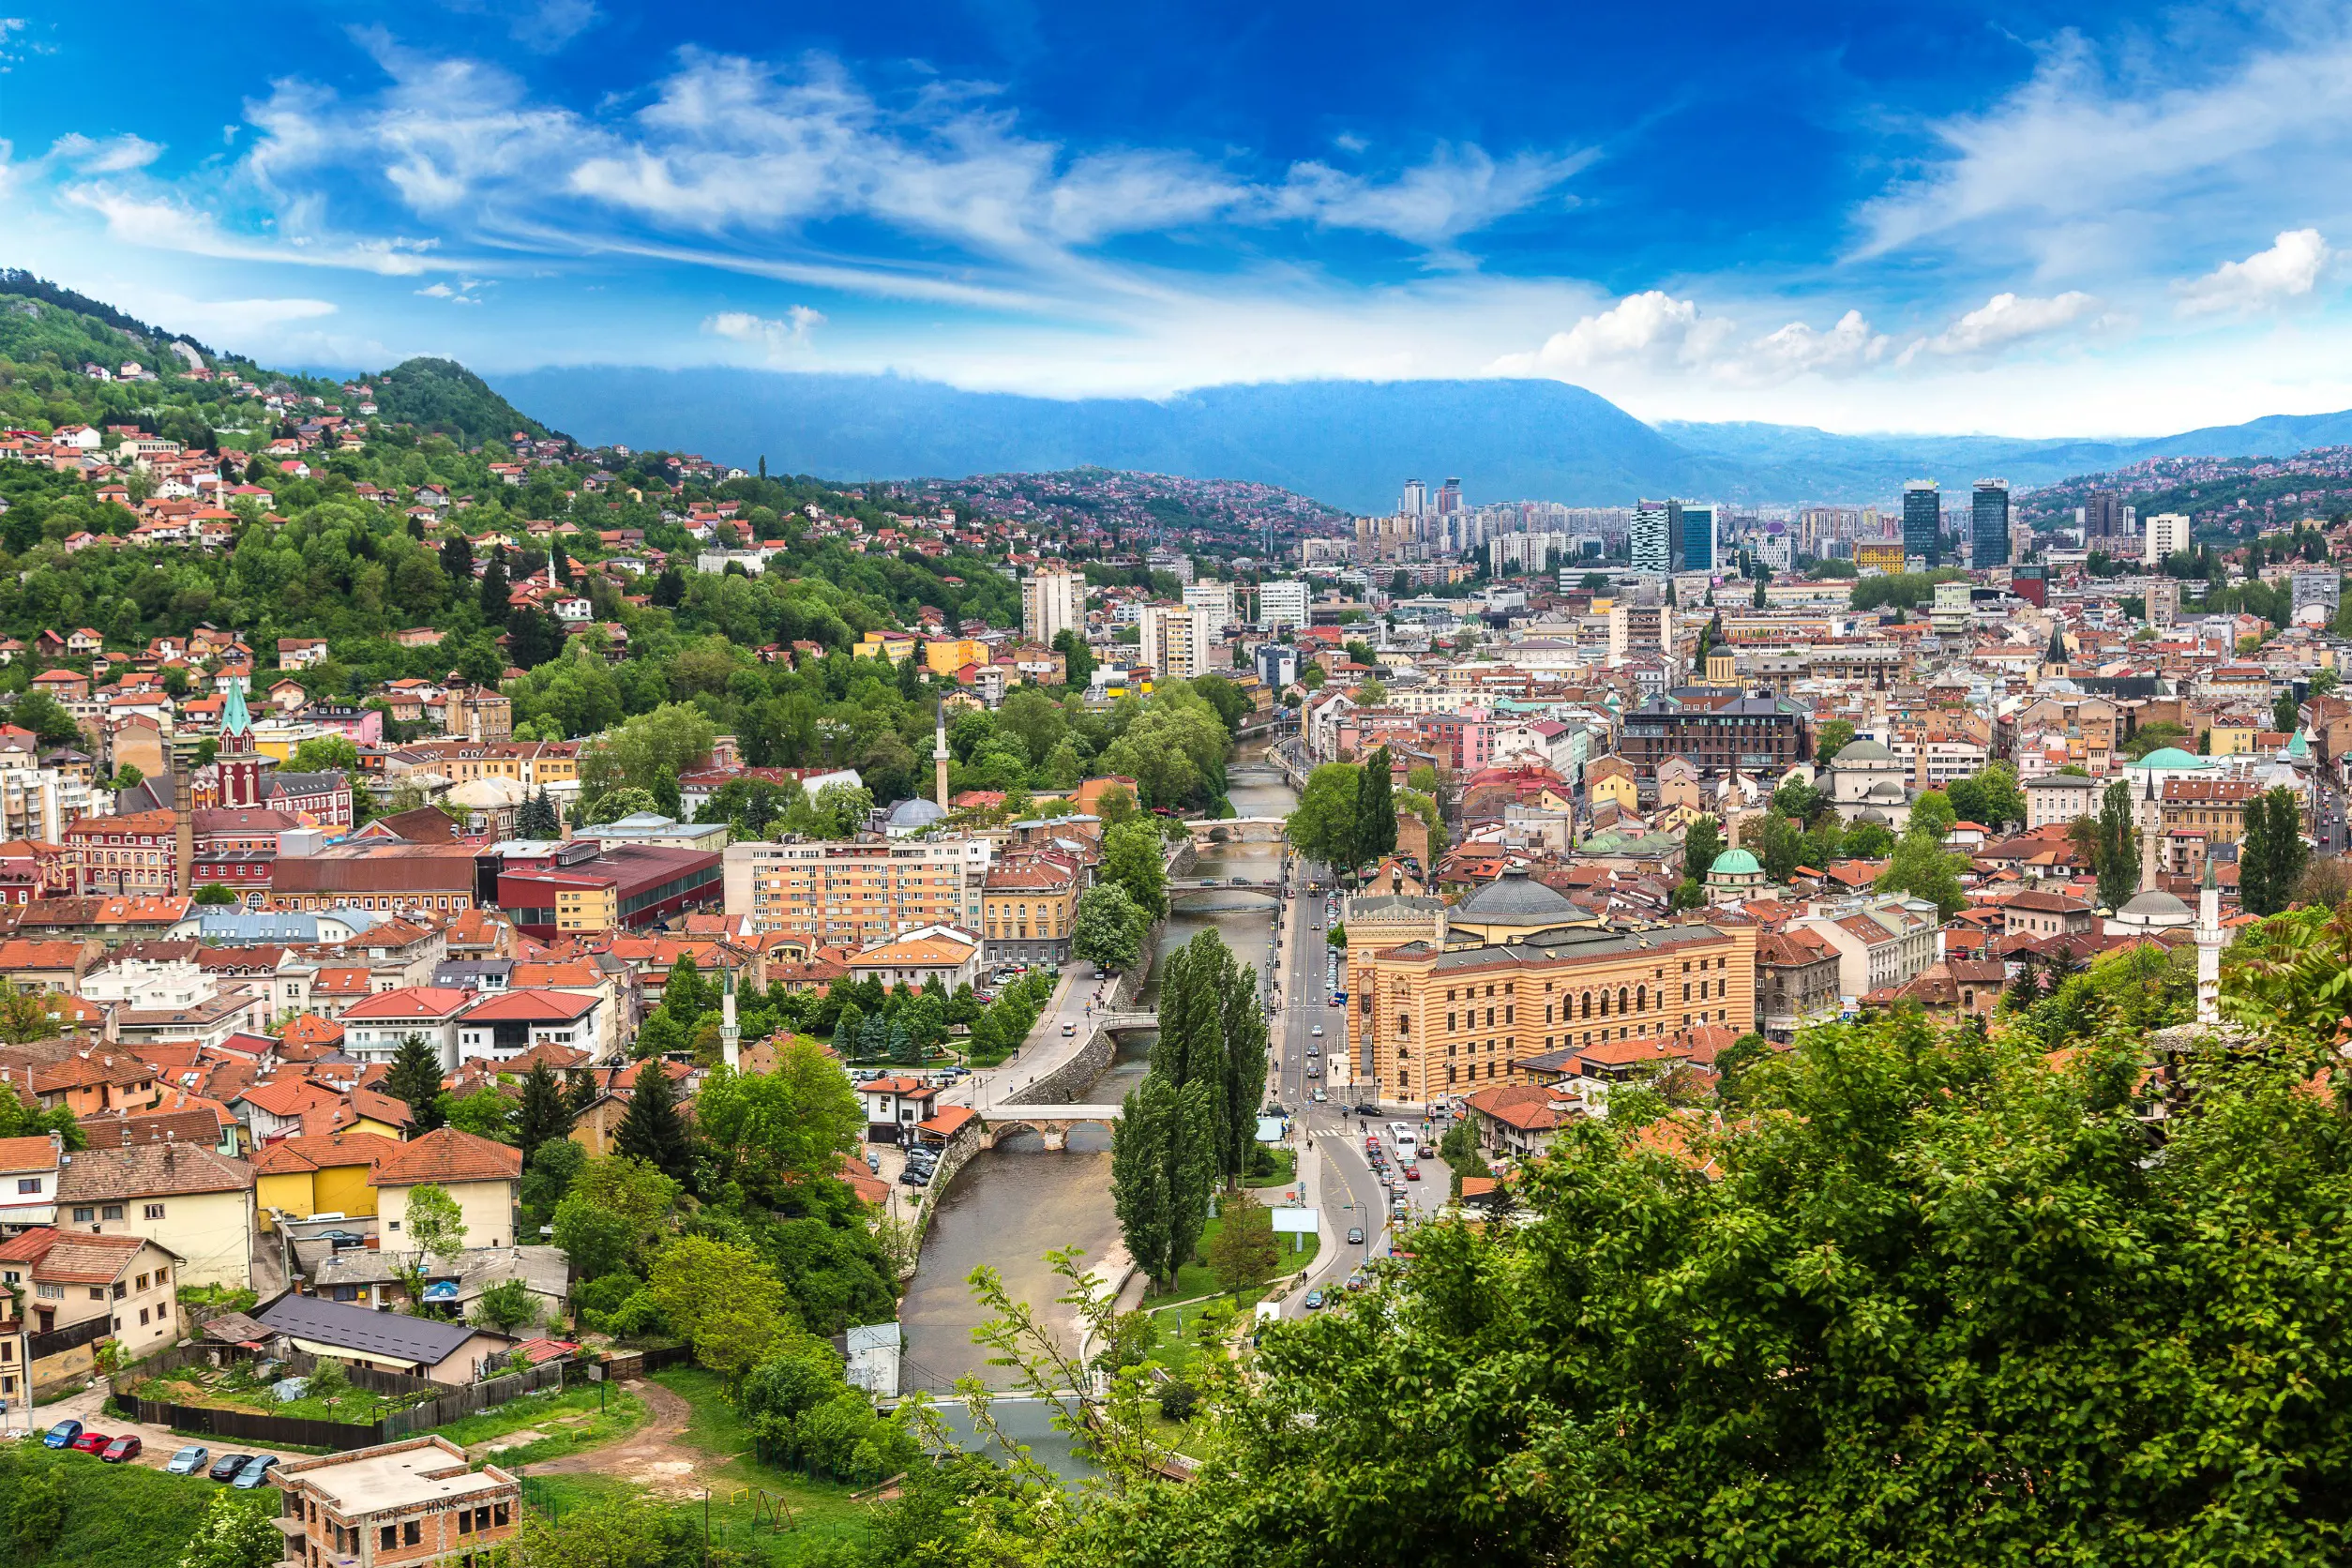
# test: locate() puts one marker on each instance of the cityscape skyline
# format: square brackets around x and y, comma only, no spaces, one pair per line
[2046,221]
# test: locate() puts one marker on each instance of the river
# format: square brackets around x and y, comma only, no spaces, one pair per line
[1011,1203]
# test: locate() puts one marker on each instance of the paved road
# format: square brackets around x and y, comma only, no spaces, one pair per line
[158,1443]
[2329,810]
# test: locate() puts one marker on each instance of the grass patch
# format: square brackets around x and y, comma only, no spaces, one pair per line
[570,1419]
[1176,1350]
[824,1515]
[117,1515]
[1286,1170]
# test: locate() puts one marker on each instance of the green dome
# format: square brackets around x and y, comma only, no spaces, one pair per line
[1735,863]
[2170,756]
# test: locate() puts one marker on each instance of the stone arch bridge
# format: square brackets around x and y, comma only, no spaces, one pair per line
[1236,830]
[1049,1122]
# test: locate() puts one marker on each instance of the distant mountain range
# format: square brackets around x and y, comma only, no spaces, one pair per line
[1351,443]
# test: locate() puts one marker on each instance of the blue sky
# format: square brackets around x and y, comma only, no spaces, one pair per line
[2031,218]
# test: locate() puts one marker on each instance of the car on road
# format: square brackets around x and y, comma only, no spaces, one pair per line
[122,1450]
[62,1434]
[1068,1030]
[1314,1301]
[187,1461]
[1318,1030]
[1314,1069]
[1277,1109]
[1320,1097]
[1355,1236]
[256,1471]
[1412,1173]
[1368,1109]
[226,1467]
[1313,1049]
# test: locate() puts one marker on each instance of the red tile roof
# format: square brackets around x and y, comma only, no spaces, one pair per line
[448,1155]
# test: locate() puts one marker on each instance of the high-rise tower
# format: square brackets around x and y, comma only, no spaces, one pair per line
[1988,524]
[1923,522]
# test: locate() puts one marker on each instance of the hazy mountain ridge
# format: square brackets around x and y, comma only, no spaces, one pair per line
[1352,443]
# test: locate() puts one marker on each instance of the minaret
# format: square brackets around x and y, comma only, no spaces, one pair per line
[2151,834]
[2208,936]
[939,755]
[730,1032]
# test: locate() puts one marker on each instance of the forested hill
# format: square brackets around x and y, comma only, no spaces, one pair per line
[443,397]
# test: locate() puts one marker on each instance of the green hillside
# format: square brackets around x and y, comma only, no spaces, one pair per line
[444,398]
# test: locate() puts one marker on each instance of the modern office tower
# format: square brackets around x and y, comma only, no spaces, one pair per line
[1282,602]
[2322,587]
[1923,523]
[2168,534]
[1988,533]
[1277,664]
[1416,500]
[1053,600]
[1695,530]
[1647,541]
[1175,641]
[1215,599]
[2102,519]
[1449,498]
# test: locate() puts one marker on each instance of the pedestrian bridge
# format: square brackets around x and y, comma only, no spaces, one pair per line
[1115,1023]
[1237,830]
[1212,895]
[1049,1122]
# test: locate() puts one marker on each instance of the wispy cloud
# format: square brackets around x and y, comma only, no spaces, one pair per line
[2289,269]
[114,155]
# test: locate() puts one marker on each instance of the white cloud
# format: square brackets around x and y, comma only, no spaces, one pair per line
[2096,157]
[236,319]
[2006,319]
[779,338]
[16,43]
[1460,190]
[2290,269]
[1657,332]
[460,292]
[166,224]
[115,155]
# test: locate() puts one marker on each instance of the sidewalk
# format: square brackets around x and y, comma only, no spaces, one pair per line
[1038,1054]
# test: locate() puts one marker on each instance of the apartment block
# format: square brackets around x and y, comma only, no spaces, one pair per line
[858,893]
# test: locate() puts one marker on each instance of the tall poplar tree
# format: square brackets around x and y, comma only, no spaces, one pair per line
[2118,846]
[1139,1174]
[1376,810]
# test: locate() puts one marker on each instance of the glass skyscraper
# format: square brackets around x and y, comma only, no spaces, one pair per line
[1988,531]
[1691,524]
[1922,523]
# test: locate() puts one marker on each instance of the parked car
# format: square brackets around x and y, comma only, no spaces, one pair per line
[122,1450]
[63,1433]
[873,1162]
[89,1442]
[256,1471]
[187,1461]
[228,1465]
[1355,1235]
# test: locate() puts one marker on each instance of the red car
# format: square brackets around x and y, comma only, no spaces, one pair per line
[1412,1173]
[122,1450]
[90,1442]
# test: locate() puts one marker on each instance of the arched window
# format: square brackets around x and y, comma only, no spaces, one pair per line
[1641,998]
[1588,1005]
[1621,999]
[1605,1004]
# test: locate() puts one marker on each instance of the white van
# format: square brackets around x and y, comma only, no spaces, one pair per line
[1407,1147]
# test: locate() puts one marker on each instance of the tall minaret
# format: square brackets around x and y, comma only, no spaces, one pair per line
[939,755]
[2151,834]
[730,1032]
[2208,936]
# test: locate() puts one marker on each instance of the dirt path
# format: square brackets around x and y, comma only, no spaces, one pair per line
[651,1457]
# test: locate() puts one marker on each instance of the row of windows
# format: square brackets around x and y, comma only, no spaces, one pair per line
[90,1214]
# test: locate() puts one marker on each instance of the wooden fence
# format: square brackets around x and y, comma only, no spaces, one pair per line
[448,1403]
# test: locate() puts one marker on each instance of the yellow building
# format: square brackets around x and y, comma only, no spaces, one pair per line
[1878,555]
[318,1175]
[945,656]
[1617,786]
[2233,740]
[897,645]
[1510,978]
[587,908]
[1027,907]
